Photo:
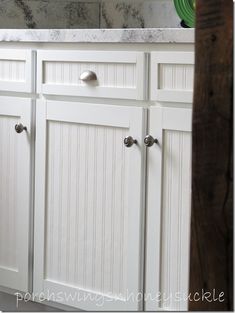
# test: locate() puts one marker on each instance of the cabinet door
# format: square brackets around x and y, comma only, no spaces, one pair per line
[89,205]
[168,211]
[15,185]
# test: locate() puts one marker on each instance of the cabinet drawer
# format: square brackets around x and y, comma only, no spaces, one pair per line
[16,70]
[172,76]
[119,74]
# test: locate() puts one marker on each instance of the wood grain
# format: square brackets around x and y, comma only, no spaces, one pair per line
[212,181]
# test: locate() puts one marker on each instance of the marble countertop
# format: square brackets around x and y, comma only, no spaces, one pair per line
[130,35]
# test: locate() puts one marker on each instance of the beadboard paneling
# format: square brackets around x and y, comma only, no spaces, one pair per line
[12,70]
[86,219]
[176,76]
[120,74]
[172,76]
[8,188]
[175,215]
[109,74]
[16,70]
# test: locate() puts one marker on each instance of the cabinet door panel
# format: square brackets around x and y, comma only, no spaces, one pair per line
[15,187]
[169,207]
[16,72]
[172,76]
[89,204]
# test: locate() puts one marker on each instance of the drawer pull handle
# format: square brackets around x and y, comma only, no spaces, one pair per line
[149,141]
[129,141]
[88,76]
[19,128]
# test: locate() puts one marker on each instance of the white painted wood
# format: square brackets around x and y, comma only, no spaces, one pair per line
[172,76]
[15,198]
[89,213]
[16,70]
[120,74]
[168,209]
[81,266]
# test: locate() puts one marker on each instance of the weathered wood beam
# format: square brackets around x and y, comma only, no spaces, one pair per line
[212,177]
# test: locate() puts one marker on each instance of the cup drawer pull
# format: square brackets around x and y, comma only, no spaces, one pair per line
[88,76]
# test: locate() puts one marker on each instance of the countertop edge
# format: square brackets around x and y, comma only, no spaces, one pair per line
[131,35]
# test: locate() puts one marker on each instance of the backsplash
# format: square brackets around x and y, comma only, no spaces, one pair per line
[87,14]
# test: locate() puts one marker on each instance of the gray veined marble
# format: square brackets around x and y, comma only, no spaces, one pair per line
[138,14]
[49,14]
[43,14]
[151,35]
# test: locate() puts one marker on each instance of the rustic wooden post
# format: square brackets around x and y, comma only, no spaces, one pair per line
[212,191]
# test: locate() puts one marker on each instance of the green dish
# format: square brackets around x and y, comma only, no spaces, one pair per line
[186,11]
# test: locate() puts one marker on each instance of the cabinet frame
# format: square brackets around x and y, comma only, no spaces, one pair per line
[163,119]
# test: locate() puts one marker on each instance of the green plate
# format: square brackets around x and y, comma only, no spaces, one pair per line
[186,11]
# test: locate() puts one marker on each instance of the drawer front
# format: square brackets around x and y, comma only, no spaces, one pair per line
[16,70]
[119,74]
[172,76]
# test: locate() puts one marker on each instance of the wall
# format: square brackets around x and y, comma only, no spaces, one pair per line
[87,14]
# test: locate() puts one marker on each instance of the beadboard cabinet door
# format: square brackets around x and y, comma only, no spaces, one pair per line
[89,214]
[15,193]
[168,209]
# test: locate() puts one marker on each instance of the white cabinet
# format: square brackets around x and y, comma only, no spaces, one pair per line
[89,214]
[111,222]
[15,192]
[168,209]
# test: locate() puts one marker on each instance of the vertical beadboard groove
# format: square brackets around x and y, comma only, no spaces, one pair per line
[180,182]
[68,205]
[77,217]
[95,143]
[176,181]
[50,216]
[85,208]
[113,208]
[50,243]
[8,180]
[170,73]
[12,70]
[88,218]
[170,139]
[14,219]
[8,183]
[122,218]
[60,202]
[68,73]
[103,209]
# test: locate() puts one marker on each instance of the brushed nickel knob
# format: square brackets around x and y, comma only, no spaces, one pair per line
[149,141]
[19,128]
[88,76]
[129,141]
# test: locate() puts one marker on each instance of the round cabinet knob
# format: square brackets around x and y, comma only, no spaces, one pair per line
[19,128]
[129,141]
[88,76]
[149,141]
